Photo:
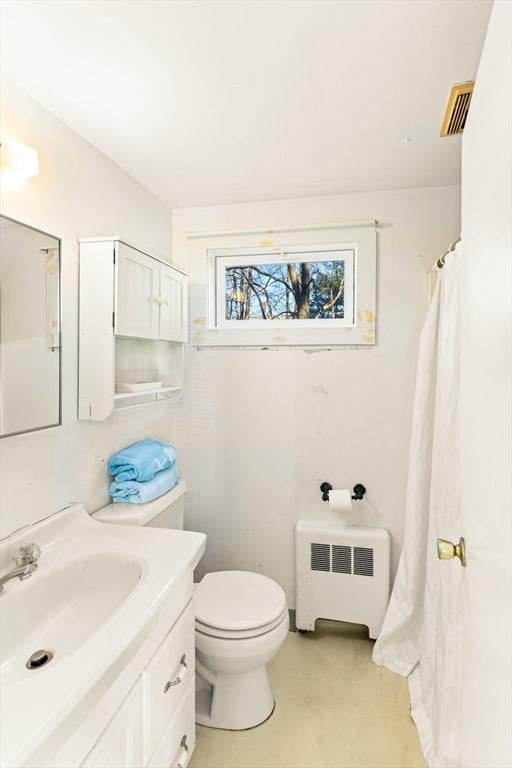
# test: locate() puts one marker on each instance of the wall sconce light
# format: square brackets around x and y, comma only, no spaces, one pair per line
[17,161]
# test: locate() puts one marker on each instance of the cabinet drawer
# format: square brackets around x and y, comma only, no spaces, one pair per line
[178,741]
[166,677]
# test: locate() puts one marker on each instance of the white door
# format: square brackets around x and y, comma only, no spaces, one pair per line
[120,744]
[485,403]
[172,304]
[138,288]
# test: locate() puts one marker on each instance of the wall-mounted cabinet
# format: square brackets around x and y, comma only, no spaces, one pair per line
[132,328]
[150,297]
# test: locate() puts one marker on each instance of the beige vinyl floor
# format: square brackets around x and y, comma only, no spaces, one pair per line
[334,709]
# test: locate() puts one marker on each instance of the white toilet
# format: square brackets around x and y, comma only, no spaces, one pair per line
[241,622]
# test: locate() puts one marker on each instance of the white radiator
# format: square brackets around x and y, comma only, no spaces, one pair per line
[342,574]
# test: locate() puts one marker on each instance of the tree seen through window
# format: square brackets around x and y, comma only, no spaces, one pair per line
[303,290]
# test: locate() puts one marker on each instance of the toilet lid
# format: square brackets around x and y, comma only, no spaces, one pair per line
[238,600]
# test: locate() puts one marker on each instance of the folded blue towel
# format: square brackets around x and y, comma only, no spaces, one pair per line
[132,492]
[141,461]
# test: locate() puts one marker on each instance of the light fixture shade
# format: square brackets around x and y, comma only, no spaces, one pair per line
[17,161]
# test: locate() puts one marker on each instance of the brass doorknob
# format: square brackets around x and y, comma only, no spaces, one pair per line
[446,550]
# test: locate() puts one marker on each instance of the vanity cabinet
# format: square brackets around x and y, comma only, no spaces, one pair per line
[155,725]
[132,328]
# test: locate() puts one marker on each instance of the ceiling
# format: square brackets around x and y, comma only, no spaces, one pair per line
[226,102]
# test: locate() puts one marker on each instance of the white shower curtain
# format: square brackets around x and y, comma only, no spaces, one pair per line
[420,637]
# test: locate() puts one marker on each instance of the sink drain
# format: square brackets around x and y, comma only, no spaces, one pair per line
[39,659]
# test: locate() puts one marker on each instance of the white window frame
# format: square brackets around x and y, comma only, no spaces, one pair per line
[207,249]
[221,259]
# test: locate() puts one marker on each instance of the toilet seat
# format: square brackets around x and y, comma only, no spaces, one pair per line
[238,604]
[240,634]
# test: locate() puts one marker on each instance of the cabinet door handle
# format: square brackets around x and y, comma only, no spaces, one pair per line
[182,671]
[181,760]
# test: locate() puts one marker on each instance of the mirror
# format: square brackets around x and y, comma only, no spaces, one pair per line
[30,329]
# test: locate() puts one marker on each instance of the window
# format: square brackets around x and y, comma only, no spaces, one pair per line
[311,286]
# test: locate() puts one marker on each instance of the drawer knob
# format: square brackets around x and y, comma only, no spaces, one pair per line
[182,671]
[183,753]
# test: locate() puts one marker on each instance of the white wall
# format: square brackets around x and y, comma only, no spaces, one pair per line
[264,428]
[78,193]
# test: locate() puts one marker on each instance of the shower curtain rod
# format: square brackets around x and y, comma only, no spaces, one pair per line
[439,263]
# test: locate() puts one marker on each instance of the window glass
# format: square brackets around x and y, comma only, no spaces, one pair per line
[293,290]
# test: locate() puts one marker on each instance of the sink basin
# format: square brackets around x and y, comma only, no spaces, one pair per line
[104,596]
[59,611]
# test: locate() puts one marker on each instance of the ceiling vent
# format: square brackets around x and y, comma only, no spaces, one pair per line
[457,109]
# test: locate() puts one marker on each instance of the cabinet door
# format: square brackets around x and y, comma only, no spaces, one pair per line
[138,287]
[173,304]
[120,744]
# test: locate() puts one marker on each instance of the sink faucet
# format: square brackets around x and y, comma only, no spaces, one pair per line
[25,558]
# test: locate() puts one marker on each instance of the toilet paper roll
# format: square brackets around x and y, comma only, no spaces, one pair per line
[340,500]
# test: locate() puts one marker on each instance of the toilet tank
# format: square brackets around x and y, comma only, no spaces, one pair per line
[164,512]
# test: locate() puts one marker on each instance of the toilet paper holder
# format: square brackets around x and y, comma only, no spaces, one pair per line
[359,491]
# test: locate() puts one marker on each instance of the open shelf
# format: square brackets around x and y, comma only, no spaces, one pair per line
[145,393]
[148,360]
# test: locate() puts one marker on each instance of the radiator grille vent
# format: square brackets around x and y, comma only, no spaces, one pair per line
[342,559]
[457,109]
[320,557]
[363,561]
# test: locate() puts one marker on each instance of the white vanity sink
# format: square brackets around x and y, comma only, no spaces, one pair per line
[101,601]
[60,610]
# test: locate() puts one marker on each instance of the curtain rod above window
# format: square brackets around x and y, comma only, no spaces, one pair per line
[274,230]
[440,262]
